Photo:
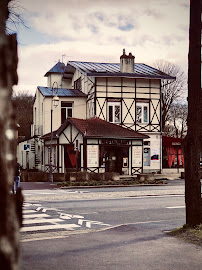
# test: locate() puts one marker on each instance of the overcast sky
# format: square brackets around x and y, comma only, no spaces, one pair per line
[89,30]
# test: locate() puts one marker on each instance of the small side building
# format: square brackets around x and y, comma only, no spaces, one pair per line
[95,145]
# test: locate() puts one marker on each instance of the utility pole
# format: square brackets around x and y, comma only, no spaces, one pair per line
[193,139]
[9,204]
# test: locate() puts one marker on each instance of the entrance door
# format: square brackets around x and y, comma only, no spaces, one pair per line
[113,156]
[70,156]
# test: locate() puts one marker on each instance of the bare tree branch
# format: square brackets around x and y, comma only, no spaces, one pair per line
[176,124]
[15,18]
[172,90]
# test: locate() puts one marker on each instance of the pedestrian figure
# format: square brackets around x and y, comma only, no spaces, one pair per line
[16,182]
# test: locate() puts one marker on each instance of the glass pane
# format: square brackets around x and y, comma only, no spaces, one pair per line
[117,114]
[146,157]
[63,115]
[110,114]
[66,104]
[139,114]
[145,115]
[69,112]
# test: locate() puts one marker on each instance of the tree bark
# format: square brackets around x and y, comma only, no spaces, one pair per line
[9,204]
[192,141]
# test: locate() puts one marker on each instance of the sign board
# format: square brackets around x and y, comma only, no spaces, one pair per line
[137,156]
[155,155]
[92,155]
[27,147]
[176,143]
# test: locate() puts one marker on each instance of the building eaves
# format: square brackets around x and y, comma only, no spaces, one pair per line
[62,92]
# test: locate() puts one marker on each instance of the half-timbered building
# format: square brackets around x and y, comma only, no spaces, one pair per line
[126,94]
[123,97]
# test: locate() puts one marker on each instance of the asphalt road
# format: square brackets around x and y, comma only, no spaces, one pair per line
[111,228]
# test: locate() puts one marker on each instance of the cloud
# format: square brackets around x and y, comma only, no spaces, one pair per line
[87,30]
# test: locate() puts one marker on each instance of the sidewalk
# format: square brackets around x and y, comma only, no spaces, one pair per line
[38,185]
[87,193]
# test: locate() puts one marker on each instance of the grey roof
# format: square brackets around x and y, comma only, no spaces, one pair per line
[111,70]
[58,68]
[62,92]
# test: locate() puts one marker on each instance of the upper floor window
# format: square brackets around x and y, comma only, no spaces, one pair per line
[142,112]
[77,84]
[66,110]
[114,112]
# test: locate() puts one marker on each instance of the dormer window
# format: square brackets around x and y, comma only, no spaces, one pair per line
[77,84]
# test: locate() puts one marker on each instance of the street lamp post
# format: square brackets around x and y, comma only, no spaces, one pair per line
[54,102]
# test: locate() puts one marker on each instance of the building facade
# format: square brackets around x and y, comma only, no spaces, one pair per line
[125,94]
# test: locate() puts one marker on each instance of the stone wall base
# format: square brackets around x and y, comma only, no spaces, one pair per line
[68,176]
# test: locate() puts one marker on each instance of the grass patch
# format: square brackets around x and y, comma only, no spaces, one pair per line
[189,234]
[107,183]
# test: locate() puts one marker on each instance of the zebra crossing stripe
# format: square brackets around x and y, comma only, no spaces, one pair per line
[42,220]
[69,227]
[36,216]
[28,211]
[89,223]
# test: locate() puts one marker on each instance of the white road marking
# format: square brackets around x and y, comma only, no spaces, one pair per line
[65,216]
[76,216]
[44,238]
[26,204]
[69,216]
[90,222]
[42,220]
[69,227]
[36,216]
[28,211]
[175,207]
[80,221]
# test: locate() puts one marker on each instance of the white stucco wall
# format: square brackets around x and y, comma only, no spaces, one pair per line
[42,105]
[26,157]
[54,77]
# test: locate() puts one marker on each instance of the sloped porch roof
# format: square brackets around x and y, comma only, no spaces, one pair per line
[97,128]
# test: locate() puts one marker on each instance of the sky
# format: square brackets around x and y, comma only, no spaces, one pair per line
[98,31]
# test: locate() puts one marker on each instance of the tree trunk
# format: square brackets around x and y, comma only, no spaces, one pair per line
[192,141]
[9,207]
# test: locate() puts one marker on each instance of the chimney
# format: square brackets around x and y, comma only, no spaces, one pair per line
[127,62]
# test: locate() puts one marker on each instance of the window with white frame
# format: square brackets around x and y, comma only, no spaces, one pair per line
[142,112]
[66,110]
[114,112]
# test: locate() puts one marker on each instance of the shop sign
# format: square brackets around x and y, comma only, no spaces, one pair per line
[92,155]
[176,143]
[137,156]
[115,142]
[27,147]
